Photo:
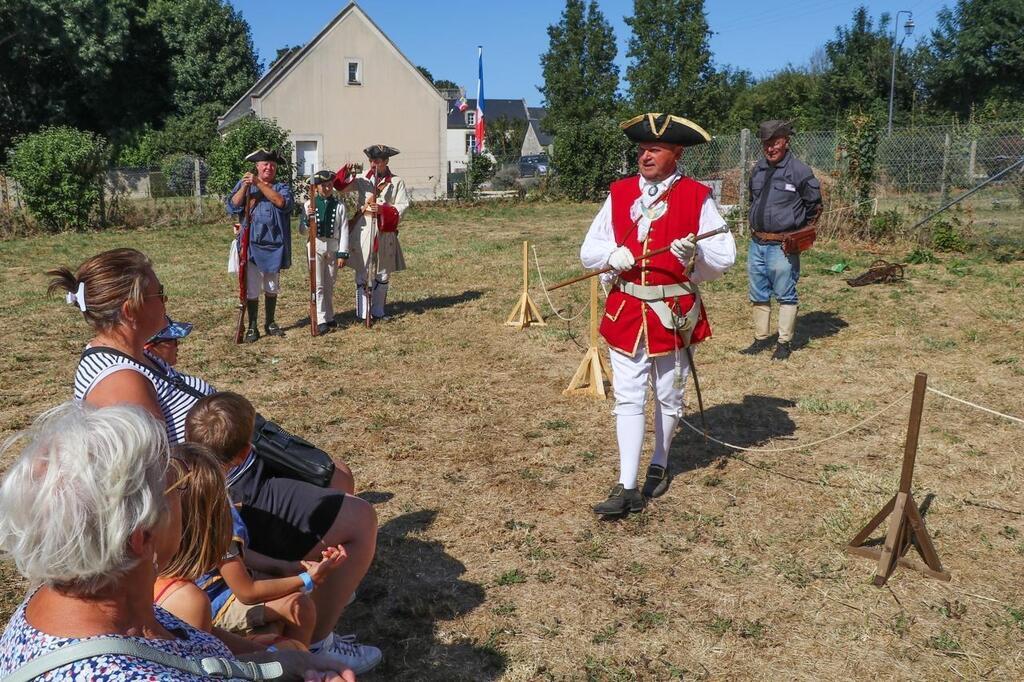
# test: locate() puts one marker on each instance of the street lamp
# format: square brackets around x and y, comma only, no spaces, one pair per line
[908,28]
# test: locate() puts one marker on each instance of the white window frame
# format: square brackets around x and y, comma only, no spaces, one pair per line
[471,118]
[349,61]
[470,142]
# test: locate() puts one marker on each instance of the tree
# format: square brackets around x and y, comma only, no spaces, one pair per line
[442,84]
[227,157]
[588,155]
[976,55]
[212,56]
[88,64]
[858,73]
[505,139]
[792,94]
[60,172]
[580,75]
[671,69]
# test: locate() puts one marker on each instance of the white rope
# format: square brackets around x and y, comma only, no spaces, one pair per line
[544,288]
[805,445]
[977,407]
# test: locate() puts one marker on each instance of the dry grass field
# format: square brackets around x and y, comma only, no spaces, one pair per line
[490,564]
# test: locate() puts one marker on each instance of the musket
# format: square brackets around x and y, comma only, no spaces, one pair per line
[312,227]
[371,259]
[243,260]
[644,256]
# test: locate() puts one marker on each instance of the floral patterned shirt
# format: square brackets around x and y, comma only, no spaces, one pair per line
[22,643]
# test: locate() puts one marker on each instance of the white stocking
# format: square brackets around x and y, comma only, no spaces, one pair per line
[629,428]
[664,429]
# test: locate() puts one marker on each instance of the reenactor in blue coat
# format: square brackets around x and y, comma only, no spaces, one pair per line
[270,236]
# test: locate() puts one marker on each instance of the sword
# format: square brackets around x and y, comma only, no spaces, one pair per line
[696,386]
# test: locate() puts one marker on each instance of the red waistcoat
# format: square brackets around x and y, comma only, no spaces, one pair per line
[626,317]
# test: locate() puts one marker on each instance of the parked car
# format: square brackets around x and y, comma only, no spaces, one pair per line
[534,164]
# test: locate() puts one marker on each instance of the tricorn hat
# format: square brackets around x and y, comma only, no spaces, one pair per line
[769,129]
[173,330]
[321,176]
[262,154]
[664,128]
[380,151]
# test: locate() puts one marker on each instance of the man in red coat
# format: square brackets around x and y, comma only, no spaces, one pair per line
[654,312]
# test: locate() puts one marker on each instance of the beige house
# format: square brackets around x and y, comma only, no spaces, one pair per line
[347,88]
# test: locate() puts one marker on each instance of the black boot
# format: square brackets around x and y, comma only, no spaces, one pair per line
[782,351]
[252,307]
[271,327]
[758,346]
[620,502]
[657,481]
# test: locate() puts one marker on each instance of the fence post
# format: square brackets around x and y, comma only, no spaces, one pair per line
[945,167]
[199,186]
[5,192]
[971,161]
[744,143]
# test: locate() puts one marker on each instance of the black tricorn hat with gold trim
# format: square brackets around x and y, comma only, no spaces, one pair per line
[262,154]
[664,128]
[321,176]
[380,151]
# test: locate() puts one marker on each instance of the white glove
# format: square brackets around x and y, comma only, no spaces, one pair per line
[684,248]
[621,259]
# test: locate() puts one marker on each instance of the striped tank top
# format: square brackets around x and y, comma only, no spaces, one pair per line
[176,392]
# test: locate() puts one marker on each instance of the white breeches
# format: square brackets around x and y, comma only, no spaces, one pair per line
[256,280]
[632,375]
[326,276]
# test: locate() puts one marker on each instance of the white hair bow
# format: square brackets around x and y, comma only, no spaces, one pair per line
[77,297]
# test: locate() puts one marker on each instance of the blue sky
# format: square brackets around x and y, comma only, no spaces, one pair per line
[442,36]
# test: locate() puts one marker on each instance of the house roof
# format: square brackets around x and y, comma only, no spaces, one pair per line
[514,109]
[537,115]
[283,66]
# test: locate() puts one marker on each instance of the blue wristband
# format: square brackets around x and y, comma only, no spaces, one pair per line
[271,648]
[307,582]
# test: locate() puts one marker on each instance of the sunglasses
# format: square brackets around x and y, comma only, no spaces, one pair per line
[160,293]
[182,473]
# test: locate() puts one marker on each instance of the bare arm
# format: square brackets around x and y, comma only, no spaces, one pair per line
[270,566]
[190,604]
[249,591]
[270,193]
[238,197]
[125,386]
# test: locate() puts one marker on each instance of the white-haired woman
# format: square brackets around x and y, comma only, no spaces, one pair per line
[84,511]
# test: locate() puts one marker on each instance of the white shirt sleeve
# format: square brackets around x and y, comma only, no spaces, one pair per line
[401,196]
[600,240]
[341,226]
[716,254]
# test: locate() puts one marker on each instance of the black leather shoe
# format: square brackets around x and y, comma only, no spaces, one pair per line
[273,330]
[657,481]
[620,502]
[782,351]
[758,346]
[323,328]
[251,336]
[332,323]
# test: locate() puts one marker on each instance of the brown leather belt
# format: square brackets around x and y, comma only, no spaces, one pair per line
[772,236]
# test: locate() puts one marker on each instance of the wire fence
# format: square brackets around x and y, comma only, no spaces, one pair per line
[920,160]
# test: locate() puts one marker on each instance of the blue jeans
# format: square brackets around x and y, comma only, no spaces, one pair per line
[771,272]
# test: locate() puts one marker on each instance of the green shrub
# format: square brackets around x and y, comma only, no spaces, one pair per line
[179,171]
[60,171]
[588,156]
[947,235]
[886,225]
[227,156]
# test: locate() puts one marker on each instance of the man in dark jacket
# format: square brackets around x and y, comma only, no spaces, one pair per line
[784,197]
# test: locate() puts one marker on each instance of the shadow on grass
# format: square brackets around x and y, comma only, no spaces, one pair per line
[397,309]
[817,325]
[756,420]
[411,586]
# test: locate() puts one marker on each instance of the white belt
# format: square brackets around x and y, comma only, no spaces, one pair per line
[655,295]
[657,292]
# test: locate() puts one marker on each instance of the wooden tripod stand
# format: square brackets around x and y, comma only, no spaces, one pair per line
[525,311]
[906,527]
[590,377]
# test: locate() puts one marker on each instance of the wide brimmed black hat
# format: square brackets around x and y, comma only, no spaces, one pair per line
[769,129]
[321,176]
[380,151]
[262,154]
[664,128]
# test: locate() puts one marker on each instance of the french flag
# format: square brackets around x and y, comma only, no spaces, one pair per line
[480,128]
